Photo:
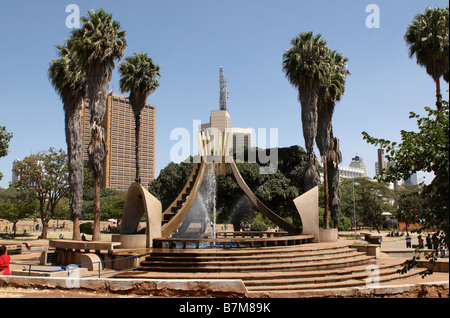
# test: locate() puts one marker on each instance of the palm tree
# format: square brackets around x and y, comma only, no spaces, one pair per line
[70,82]
[330,92]
[307,67]
[428,38]
[98,44]
[139,76]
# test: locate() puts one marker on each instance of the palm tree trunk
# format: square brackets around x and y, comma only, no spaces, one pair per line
[325,190]
[96,229]
[308,99]
[334,198]
[137,120]
[323,138]
[98,81]
[438,94]
[76,235]
[74,135]
[334,158]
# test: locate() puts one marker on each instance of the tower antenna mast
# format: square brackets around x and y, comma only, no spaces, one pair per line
[223,91]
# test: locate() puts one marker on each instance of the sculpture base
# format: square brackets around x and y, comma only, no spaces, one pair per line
[328,235]
[130,240]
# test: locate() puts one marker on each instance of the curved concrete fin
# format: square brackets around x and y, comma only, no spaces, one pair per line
[275,218]
[184,201]
[140,202]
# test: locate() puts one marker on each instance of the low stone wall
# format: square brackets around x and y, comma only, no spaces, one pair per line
[369,249]
[169,288]
[219,288]
[441,265]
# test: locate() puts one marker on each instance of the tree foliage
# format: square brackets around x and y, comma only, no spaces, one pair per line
[16,205]
[5,138]
[426,150]
[139,76]
[428,39]
[45,176]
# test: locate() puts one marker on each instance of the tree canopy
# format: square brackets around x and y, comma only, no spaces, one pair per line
[424,150]
[45,176]
[5,138]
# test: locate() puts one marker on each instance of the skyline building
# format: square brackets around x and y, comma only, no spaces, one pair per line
[358,163]
[119,168]
[220,119]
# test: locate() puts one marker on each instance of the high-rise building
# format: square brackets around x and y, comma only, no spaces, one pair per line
[381,163]
[119,169]
[14,176]
[358,163]
[220,119]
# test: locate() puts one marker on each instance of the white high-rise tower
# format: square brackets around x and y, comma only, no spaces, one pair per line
[223,91]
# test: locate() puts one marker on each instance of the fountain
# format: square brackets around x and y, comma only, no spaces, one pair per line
[200,220]
[192,215]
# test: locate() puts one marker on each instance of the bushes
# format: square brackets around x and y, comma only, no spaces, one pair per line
[86,228]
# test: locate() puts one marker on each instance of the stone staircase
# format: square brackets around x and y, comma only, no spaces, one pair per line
[273,269]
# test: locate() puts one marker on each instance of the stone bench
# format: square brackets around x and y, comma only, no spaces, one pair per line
[85,246]
[373,238]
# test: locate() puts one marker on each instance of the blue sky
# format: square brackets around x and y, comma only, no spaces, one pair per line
[190,40]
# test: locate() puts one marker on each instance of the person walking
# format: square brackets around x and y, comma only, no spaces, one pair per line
[420,239]
[408,240]
[4,261]
[429,242]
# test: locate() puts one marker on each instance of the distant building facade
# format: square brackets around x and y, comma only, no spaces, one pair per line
[356,169]
[119,166]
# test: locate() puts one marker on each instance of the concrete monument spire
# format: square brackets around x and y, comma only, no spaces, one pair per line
[223,91]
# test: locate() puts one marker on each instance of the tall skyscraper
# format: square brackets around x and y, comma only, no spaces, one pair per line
[119,166]
[381,164]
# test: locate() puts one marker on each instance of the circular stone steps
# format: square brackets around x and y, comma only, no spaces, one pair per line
[273,269]
[268,259]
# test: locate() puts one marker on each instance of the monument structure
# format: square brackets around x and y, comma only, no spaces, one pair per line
[215,148]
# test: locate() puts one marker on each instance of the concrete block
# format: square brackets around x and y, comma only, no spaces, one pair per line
[91,261]
[328,235]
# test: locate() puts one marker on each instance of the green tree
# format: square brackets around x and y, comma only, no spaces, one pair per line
[5,138]
[371,198]
[428,39]
[97,44]
[139,77]
[16,205]
[410,207]
[69,80]
[426,150]
[307,65]
[45,176]
[170,182]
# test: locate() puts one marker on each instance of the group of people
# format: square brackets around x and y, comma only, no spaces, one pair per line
[437,241]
